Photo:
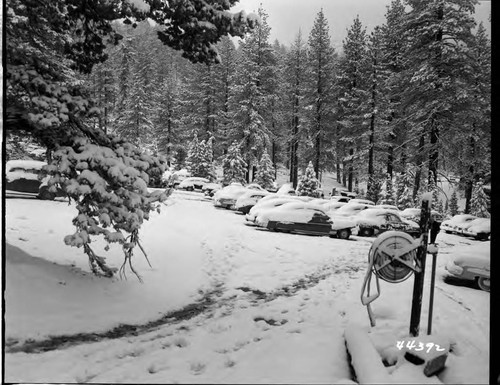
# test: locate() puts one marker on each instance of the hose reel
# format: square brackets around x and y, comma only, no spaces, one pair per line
[392,258]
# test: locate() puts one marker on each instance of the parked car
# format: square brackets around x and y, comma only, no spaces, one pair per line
[452,225]
[246,201]
[374,221]
[472,263]
[192,183]
[365,201]
[255,186]
[340,198]
[268,204]
[210,188]
[286,189]
[387,207]
[26,178]
[413,214]
[304,218]
[351,209]
[173,178]
[479,229]
[332,206]
[226,197]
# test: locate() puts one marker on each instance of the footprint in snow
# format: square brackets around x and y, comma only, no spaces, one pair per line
[197,367]
[271,321]
[180,342]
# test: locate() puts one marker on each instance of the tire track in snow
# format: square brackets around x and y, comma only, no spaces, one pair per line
[206,306]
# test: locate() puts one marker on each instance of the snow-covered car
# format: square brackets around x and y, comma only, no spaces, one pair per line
[268,203]
[304,218]
[210,188]
[374,221]
[332,206]
[479,229]
[365,201]
[286,189]
[340,198]
[387,207]
[255,186]
[226,197]
[413,214]
[452,225]
[192,183]
[25,178]
[351,209]
[472,263]
[174,178]
[246,201]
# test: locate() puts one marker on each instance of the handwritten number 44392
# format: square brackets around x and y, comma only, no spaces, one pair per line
[411,344]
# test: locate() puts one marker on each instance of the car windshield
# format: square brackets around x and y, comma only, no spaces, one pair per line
[393,218]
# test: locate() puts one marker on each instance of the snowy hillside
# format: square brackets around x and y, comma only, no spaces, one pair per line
[223,303]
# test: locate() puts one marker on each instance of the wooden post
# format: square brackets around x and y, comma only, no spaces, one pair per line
[418,285]
[435,227]
[431,298]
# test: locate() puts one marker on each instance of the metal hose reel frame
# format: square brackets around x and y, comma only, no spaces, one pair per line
[392,256]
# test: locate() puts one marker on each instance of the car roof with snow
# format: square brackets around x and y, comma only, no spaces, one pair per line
[372,212]
[461,218]
[300,205]
[24,164]
[365,201]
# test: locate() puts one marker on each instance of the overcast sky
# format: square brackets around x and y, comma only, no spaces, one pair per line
[287,16]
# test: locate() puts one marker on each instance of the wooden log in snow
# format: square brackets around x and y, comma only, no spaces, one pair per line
[365,359]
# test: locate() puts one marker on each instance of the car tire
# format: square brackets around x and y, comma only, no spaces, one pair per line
[46,195]
[483,283]
[364,232]
[482,237]
[343,234]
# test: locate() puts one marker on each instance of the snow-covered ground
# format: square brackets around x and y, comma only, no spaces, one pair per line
[222,303]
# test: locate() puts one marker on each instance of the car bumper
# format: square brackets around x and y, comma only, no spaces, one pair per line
[244,209]
[454,269]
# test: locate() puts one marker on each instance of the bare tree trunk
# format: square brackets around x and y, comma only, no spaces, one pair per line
[351,170]
[420,162]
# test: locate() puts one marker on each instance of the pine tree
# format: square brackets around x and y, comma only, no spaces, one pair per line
[295,89]
[405,191]
[439,40]
[434,190]
[252,94]
[265,172]
[233,166]
[480,201]
[393,63]
[439,207]
[224,80]
[308,183]
[195,157]
[207,168]
[321,57]
[453,206]
[472,147]
[373,188]
[353,66]
[389,191]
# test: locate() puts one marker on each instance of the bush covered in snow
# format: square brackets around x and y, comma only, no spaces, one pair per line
[109,186]
[265,172]
[308,184]
[233,166]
